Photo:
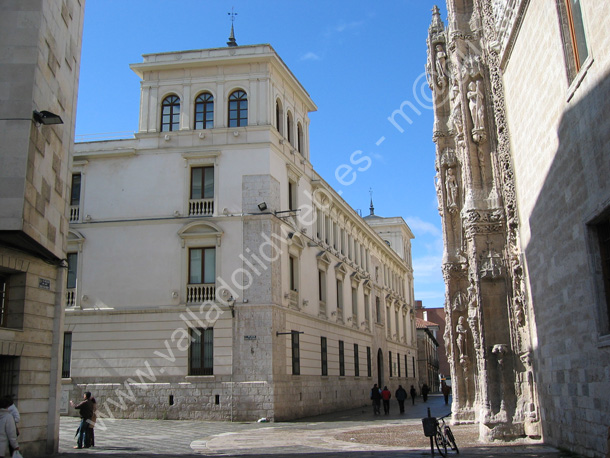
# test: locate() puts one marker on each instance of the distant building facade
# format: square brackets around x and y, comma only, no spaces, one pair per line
[427,354]
[41,43]
[213,273]
[521,95]
[436,315]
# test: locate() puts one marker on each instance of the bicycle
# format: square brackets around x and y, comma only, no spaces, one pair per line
[444,437]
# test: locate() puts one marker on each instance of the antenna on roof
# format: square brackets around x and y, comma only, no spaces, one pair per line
[232,43]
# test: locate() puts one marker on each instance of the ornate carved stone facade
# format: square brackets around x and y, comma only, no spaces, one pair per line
[487,334]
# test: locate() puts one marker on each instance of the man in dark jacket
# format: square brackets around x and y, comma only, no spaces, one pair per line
[401,395]
[376,397]
[424,392]
[413,394]
[85,409]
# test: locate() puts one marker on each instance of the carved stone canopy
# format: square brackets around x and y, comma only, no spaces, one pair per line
[472,66]
[491,264]
[448,158]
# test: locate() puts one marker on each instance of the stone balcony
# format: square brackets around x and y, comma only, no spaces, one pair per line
[199,293]
[201,207]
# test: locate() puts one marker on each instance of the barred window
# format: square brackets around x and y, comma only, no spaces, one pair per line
[201,351]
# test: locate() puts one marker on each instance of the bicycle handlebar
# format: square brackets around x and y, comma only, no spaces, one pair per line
[444,416]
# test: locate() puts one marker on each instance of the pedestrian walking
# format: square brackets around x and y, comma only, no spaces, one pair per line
[424,392]
[446,389]
[401,395]
[376,397]
[386,395]
[413,394]
[12,408]
[92,422]
[8,431]
[85,407]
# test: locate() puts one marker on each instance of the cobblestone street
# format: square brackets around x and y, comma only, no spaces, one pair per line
[357,432]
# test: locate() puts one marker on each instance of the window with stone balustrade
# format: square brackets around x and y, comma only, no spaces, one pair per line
[201,198]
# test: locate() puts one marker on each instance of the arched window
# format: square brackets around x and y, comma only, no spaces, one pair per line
[289,124]
[170,113]
[238,109]
[204,111]
[299,138]
[278,115]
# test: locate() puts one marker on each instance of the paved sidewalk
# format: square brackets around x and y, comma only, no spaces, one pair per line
[355,431]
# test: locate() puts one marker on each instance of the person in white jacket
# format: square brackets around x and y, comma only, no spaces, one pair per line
[8,431]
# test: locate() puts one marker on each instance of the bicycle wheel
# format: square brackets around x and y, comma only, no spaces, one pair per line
[451,439]
[441,443]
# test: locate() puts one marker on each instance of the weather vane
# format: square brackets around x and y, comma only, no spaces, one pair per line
[232,14]
[232,42]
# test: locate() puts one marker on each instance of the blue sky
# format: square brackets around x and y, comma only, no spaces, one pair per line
[359,61]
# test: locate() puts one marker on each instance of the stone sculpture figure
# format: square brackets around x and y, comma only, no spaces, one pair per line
[462,332]
[456,112]
[451,187]
[441,59]
[476,105]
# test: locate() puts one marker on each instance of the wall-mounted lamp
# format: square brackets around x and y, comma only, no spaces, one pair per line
[231,303]
[262,206]
[46,118]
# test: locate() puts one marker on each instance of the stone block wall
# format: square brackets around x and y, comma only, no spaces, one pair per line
[560,134]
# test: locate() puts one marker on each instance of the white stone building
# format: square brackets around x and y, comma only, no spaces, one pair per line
[213,273]
[40,48]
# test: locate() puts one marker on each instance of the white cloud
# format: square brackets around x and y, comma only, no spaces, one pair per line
[351,25]
[427,266]
[310,56]
[421,227]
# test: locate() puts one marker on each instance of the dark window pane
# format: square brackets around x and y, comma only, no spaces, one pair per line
[75,190]
[72,266]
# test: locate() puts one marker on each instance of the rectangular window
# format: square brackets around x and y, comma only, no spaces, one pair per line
[3,300]
[396,324]
[369,367]
[75,189]
[202,182]
[67,355]
[602,236]
[367,312]
[322,286]
[413,360]
[339,295]
[9,375]
[292,195]
[319,223]
[293,272]
[327,230]
[355,305]
[202,266]
[377,310]
[341,359]
[390,355]
[296,358]
[324,355]
[72,267]
[335,236]
[398,359]
[388,322]
[573,35]
[406,368]
[356,361]
[201,351]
